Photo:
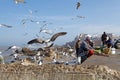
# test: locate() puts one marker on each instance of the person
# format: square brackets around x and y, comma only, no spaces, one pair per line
[77,46]
[91,43]
[104,38]
[85,50]
[109,43]
[1,58]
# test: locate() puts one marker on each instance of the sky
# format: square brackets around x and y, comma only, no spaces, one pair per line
[60,15]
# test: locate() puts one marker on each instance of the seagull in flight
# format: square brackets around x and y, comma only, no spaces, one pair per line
[4,25]
[31,12]
[13,47]
[47,31]
[78,5]
[81,16]
[52,39]
[18,1]
[37,22]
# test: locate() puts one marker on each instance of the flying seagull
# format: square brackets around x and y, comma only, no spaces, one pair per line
[4,25]
[18,1]
[13,47]
[81,16]
[31,12]
[37,40]
[47,31]
[37,22]
[53,38]
[78,5]
[24,21]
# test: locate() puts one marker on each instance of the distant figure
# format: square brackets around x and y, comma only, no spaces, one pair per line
[77,47]
[104,38]
[85,50]
[109,43]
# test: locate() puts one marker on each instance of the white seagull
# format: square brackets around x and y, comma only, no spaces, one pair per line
[52,39]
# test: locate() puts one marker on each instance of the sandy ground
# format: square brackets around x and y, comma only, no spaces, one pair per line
[113,61]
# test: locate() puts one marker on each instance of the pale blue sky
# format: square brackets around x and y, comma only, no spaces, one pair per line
[100,15]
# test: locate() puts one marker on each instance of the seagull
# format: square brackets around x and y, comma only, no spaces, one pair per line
[23,21]
[31,12]
[4,25]
[37,22]
[78,17]
[13,47]
[37,40]
[47,31]
[78,5]
[18,1]
[81,16]
[53,38]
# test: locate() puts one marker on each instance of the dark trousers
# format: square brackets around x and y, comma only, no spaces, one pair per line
[77,52]
[83,58]
[103,42]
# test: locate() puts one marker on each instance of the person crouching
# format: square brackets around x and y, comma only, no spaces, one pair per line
[85,50]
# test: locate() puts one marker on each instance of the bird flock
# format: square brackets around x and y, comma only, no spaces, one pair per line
[48,43]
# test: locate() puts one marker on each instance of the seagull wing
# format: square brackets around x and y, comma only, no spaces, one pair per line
[8,48]
[38,40]
[53,38]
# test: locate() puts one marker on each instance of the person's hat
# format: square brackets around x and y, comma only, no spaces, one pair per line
[88,37]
